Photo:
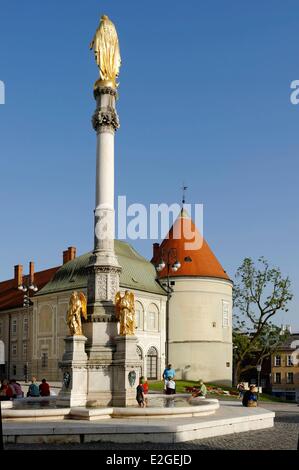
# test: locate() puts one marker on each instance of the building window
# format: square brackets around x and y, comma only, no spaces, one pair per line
[225,314]
[25,349]
[0,328]
[14,370]
[277,361]
[277,378]
[139,315]
[44,360]
[152,364]
[140,357]
[289,361]
[290,377]
[228,364]
[139,353]
[14,349]
[25,326]
[152,318]
[25,369]
[14,326]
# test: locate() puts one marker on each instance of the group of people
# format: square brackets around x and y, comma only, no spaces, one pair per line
[169,387]
[248,397]
[12,389]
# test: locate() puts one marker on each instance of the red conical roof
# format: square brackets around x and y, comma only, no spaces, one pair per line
[179,240]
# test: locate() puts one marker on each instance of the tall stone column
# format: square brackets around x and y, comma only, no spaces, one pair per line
[104,269]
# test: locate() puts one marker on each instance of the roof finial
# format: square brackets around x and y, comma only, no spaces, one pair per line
[184,189]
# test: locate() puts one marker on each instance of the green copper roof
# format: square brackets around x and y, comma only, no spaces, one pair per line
[137,272]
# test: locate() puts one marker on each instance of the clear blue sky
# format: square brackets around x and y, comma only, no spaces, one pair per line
[204,98]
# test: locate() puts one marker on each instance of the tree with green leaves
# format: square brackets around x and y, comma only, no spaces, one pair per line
[259,293]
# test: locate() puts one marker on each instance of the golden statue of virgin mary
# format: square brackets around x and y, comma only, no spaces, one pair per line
[106,49]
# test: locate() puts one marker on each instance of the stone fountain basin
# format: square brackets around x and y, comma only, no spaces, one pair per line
[196,407]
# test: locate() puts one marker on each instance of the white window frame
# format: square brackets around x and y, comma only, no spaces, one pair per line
[25,326]
[152,320]
[289,360]
[14,349]
[14,326]
[276,361]
[288,375]
[139,316]
[275,377]
[225,314]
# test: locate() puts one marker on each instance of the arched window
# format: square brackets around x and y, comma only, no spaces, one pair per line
[152,364]
[139,315]
[152,318]
[140,356]
[139,352]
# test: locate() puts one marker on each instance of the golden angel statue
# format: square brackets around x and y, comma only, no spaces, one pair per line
[106,49]
[125,313]
[77,307]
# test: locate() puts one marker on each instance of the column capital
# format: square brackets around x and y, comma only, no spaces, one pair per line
[105,119]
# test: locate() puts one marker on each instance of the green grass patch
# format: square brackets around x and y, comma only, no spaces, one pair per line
[158,386]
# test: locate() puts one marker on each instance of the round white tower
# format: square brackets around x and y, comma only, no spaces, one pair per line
[199,309]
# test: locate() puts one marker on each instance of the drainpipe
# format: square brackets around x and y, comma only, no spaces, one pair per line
[8,355]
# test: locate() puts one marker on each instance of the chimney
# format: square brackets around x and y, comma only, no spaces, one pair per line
[156,251]
[65,256]
[18,275]
[69,254]
[31,272]
[72,252]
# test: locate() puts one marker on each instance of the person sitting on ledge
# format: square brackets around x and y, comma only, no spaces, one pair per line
[250,397]
[33,390]
[44,388]
[200,391]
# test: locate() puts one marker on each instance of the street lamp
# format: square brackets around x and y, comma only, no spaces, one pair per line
[27,287]
[235,349]
[258,368]
[169,261]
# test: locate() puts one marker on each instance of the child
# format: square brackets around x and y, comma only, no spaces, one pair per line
[140,394]
[170,387]
[145,389]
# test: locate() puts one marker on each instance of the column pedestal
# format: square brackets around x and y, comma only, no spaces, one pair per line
[74,372]
[126,371]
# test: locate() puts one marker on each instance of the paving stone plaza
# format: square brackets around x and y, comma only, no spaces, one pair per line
[283,436]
